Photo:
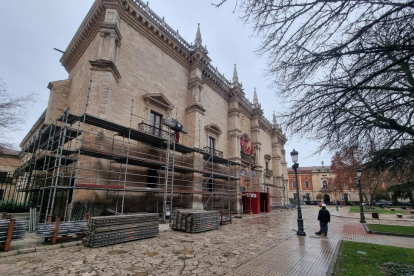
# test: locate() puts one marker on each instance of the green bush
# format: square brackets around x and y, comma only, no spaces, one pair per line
[10,206]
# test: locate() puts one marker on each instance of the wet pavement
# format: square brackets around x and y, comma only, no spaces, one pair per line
[264,244]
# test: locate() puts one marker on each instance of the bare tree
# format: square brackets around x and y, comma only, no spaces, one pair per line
[345,68]
[12,112]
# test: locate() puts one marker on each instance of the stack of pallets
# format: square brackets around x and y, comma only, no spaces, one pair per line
[46,230]
[19,230]
[117,229]
[195,221]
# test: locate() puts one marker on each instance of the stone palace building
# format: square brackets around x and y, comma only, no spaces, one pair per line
[103,140]
[319,180]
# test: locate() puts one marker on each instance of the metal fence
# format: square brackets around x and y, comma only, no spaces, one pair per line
[11,199]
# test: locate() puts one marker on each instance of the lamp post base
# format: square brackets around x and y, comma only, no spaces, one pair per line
[362,218]
[301,233]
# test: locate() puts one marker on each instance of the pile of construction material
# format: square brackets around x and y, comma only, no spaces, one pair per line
[68,228]
[195,221]
[19,230]
[117,229]
[80,209]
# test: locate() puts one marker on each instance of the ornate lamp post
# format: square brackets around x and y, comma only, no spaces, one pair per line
[295,167]
[362,217]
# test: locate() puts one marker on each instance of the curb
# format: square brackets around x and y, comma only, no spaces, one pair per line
[387,233]
[331,267]
[367,228]
[39,249]
[406,220]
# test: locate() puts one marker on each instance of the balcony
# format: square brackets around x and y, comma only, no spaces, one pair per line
[246,157]
[212,151]
[155,131]
[268,172]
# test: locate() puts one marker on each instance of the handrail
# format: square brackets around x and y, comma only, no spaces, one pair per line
[214,152]
[247,157]
[152,130]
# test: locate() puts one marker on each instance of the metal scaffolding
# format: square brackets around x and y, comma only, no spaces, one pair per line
[93,158]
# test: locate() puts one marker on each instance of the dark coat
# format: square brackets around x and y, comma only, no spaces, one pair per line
[324,216]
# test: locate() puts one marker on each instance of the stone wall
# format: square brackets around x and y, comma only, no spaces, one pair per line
[9,163]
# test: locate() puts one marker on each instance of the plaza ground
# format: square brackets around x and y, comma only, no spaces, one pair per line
[264,244]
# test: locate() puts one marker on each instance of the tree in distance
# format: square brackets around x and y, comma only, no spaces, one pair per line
[12,112]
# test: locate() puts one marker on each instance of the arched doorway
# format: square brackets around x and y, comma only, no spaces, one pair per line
[326,199]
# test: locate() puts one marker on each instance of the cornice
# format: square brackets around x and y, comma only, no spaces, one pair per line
[84,36]
[195,108]
[105,65]
[216,84]
[150,27]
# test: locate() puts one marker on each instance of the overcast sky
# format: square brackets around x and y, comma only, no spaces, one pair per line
[31,29]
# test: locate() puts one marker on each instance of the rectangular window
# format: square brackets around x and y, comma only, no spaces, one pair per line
[155,122]
[344,185]
[324,184]
[294,184]
[307,184]
[211,143]
[346,197]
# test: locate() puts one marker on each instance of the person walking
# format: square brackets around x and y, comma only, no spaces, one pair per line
[324,218]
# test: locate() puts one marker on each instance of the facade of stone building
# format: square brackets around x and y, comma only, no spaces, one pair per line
[319,180]
[9,160]
[128,67]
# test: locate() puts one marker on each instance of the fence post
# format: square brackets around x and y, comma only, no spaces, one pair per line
[9,235]
[56,231]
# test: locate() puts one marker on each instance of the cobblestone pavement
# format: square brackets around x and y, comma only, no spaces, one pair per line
[264,244]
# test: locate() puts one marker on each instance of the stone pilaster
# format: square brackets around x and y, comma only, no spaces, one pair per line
[104,72]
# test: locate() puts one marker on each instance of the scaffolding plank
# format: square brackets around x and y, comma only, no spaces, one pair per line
[181,148]
[219,160]
[44,138]
[132,160]
[220,175]
[38,163]
[106,187]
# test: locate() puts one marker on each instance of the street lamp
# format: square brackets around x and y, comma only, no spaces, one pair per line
[295,167]
[336,199]
[359,174]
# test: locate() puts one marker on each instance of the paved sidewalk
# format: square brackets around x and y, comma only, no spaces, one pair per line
[313,255]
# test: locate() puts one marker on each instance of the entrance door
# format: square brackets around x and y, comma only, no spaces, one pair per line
[264,202]
[247,204]
[326,199]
